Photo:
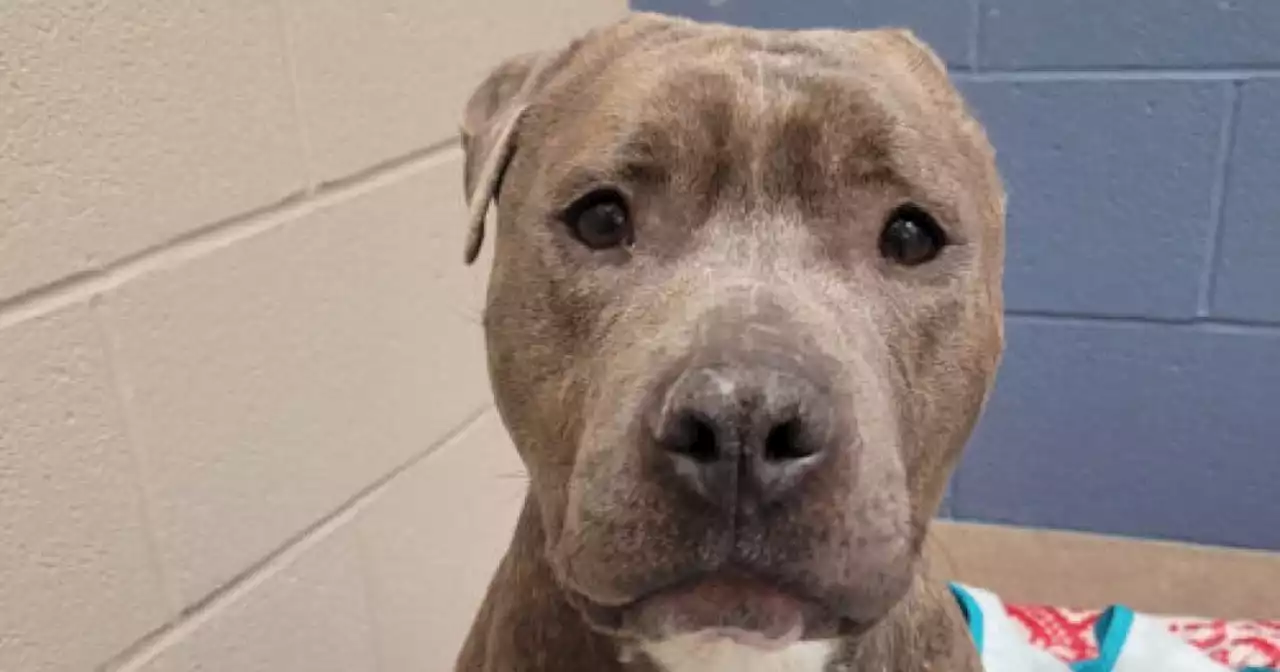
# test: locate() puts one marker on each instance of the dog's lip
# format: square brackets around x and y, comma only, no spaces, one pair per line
[744,607]
[741,578]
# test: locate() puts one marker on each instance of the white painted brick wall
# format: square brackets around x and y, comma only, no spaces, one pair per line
[244,420]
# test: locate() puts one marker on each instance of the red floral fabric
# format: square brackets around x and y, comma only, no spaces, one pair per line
[1068,635]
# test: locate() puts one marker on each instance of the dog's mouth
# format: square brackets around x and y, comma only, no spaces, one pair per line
[727,604]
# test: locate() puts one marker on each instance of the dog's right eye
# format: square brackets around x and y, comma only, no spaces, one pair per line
[911,236]
[600,220]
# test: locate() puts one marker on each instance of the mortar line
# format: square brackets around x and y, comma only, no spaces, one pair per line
[80,286]
[1217,201]
[953,489]
[139,456]
[1118,75]
[285,18]
[975,32]
[1219,325]
[364,571]
[204,610]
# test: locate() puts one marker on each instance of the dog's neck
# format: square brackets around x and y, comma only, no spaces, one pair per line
[525,625]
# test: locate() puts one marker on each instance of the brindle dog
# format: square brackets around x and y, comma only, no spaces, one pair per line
[744,312]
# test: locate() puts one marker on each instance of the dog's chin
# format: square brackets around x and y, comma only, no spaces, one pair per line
[746,610]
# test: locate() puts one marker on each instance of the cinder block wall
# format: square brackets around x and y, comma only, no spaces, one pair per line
[1140,140]
[244,420]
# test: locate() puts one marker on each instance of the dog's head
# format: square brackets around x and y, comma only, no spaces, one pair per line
[744,312]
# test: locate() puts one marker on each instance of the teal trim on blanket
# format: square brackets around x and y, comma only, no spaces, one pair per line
[972,614]
[1112,629]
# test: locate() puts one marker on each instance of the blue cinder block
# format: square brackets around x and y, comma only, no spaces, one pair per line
[1135,429]
[945,25]
[1086,34]
[1110,188]
[1247,285]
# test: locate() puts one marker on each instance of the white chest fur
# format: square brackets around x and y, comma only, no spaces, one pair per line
[692,653]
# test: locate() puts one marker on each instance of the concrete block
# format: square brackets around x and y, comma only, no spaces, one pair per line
[1131,429]
[433,541]
[78,579]
[1110,188]
[276,378]
[377,80]
[125,125]
[1195,34]
[310,614]
[944,25]
[1248,272]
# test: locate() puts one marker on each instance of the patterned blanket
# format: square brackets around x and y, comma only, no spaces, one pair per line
[1038,638]
[1068,634]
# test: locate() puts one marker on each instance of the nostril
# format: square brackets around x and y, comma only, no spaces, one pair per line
[693,437]
[786,442]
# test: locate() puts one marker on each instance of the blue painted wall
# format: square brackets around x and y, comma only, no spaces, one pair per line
[1140,140]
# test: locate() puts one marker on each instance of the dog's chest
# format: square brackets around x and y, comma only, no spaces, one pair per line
[690,654]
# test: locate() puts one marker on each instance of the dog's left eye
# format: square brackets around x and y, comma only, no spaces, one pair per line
[911,236]
[600,220]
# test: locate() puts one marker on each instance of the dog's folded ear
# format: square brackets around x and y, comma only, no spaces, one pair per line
[915,49]
[489,130]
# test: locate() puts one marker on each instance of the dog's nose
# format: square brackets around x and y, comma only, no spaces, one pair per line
[742,432]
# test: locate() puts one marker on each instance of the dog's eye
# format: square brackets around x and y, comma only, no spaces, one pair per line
[600,220]
[911,236]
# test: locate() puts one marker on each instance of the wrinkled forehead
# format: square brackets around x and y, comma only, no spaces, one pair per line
[768,118]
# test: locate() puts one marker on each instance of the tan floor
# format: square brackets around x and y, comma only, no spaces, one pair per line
[1088,570]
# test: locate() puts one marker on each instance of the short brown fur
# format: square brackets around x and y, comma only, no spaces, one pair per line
[759,167]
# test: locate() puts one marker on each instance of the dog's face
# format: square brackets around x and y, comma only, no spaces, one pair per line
[744,312]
